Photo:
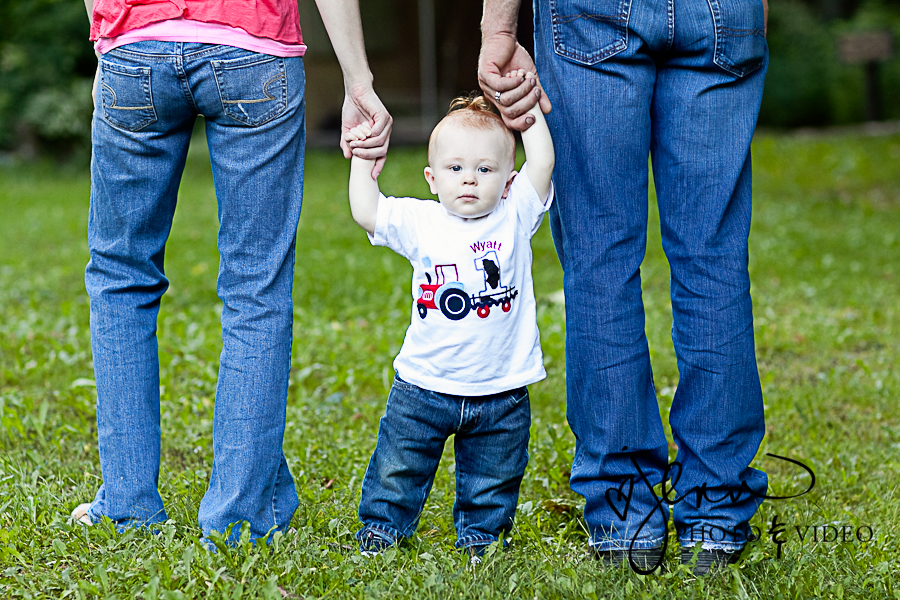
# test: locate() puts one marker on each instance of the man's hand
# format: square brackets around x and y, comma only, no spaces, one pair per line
[500,54]
[363,107]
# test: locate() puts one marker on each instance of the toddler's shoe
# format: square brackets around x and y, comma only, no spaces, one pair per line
[646,559]
[80,514]
[708,560]
[371,543]
[476,553]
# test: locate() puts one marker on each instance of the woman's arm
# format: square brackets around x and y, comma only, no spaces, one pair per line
[361,105]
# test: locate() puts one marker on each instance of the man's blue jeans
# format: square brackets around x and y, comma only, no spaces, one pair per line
[680,81]
[148,98]
[490,441]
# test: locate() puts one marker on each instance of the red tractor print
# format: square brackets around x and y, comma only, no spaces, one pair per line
[449,296]
[451,299]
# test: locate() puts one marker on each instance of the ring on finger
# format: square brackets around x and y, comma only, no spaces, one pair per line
[497,96]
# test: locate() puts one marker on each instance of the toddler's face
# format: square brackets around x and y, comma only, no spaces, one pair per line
[471,170]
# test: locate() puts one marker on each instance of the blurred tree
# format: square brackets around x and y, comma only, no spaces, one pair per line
[807,84]
[801,61]
[47,65]
[834,9]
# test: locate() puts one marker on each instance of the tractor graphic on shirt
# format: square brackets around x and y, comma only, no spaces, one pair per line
[449,295]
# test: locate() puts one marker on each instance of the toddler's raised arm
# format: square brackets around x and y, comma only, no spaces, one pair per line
[364,190]
[539,153]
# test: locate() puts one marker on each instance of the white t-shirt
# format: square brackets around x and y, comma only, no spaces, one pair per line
[474,326]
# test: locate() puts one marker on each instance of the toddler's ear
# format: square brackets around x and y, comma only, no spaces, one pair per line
[509,181]
[429,177]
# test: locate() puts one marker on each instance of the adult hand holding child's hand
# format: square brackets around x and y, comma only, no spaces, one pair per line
[363,108]
[513,96]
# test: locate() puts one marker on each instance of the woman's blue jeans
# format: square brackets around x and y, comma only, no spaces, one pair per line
[680,81]
[148,98]
[490,441]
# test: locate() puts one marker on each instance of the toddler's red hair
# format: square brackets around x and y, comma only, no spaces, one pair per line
[477,112]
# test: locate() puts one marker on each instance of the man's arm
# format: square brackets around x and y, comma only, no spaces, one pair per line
[361,104]
[501,54]
[539,153]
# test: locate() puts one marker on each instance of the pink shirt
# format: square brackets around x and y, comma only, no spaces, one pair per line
[184,30]
[276,20]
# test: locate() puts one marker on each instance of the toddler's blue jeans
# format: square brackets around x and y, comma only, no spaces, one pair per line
[679,81]
[148,97]
[491,450]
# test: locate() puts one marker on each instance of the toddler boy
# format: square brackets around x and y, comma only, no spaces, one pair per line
[473,343]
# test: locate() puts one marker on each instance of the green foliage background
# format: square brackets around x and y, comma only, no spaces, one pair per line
[807,84]
[47,65]
[46,69]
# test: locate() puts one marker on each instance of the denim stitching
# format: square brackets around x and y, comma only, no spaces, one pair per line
[475,540]
[211,49]
[670,23]
[214,49]
[722,32]
[146,88]
[515,398]
[563,19]
[116,99]
[402,383]
[620,20]
[185,85]
[275,493]
[410,528]
[122,50]
[389,534]
[219,67]
[742,32]
[269,97]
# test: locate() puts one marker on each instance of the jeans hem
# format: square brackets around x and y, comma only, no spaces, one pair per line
[93,516]
[620,544]
[129,523]
[477,540]
[386,533]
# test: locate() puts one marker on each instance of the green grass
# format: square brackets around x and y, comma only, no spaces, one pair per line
[825,266]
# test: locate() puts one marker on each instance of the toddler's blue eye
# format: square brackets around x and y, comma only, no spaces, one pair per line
[484,170]
[456,168]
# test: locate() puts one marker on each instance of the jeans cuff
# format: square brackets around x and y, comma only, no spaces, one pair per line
[124,525]
[93,516]
[606,544]
[478,539]
[386,533]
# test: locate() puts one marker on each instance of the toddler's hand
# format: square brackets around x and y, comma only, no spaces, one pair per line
[522,73]
[529,77]
[357,134]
